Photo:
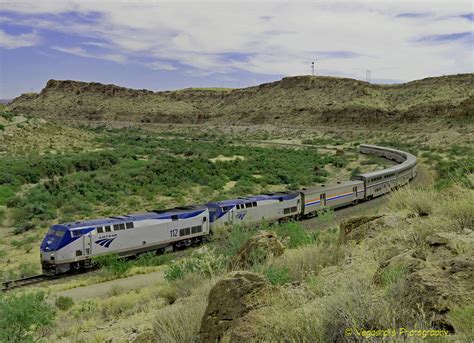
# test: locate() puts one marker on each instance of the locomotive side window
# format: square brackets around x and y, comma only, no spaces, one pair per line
[122,226]
[100,229]
[196,229]
[129,225]
[185,231]
[116,227]
[107,228]
[254,203]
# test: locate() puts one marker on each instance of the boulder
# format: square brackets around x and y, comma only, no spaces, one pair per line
[230,300]
[440,281]
[257,249]
[358,228]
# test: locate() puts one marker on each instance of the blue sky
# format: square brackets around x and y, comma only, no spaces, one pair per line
[163,45]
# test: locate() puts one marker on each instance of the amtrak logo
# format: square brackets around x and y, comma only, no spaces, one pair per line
[241,215]
[105,242]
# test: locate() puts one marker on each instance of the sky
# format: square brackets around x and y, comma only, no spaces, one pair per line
[165,45]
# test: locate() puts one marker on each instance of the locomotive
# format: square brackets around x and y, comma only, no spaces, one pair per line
[72,246]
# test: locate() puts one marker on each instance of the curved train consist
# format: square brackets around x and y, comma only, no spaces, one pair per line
[73,245]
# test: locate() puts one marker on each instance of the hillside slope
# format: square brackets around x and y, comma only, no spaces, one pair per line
[299,100]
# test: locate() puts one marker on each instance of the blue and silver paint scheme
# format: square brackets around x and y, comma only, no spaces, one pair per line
[266,207]
[68,245]
[318,198]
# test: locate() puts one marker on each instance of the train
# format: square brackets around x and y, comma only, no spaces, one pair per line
[73,246]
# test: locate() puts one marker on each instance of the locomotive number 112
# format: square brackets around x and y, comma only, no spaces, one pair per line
[174,233]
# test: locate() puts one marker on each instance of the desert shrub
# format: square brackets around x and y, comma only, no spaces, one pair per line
[207,264]
[418,201]
[295,233]
[6,192]
[277,275]
[232,238]
[25,243]
[22,315]
[152,259]
[460,209]
[356,171]
[84,308]
[308,260]
[64,303]
[2,127]
[112,264]
[340,162]
[24,227]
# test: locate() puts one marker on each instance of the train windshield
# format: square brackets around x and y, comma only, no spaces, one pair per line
[55,232]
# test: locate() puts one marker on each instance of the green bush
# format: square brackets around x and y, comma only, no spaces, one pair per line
[22,315]
[277,275]
[64,303]
[112,264]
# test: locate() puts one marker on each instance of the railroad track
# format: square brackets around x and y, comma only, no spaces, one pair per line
[30,280]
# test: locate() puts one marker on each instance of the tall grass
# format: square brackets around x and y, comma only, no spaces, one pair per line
[421,202]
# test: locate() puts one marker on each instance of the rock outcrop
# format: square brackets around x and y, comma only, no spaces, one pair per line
[358,228]
[438,279]
[257,249]
[230,300]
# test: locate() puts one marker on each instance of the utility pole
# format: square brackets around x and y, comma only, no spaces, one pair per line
[368,73]
[312,68]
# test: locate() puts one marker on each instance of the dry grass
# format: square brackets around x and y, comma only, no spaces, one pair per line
[180,322]
[421,202]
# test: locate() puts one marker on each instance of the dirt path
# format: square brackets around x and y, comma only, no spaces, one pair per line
[104,289]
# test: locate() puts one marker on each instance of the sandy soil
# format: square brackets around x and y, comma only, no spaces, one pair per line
[103,289]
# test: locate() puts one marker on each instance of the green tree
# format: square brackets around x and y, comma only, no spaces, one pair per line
[22,315]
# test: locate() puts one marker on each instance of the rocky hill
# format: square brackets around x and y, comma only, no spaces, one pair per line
[299,100]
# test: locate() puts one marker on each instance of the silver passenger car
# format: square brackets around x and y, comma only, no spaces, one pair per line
[340,194]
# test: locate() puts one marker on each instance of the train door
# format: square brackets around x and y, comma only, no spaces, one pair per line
[231,216]
[322,198]
[87,244]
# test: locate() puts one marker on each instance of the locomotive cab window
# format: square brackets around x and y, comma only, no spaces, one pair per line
[100,229]
[107,228]
[174,217]
[254,204]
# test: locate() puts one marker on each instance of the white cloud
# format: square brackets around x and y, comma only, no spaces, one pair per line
[277,37]
[78,51]
[18,41]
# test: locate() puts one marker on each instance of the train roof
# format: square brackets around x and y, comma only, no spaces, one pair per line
[410,160]
[270,196]
[324,187]
[182,213]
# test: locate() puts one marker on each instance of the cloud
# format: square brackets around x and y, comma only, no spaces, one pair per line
[263,37]
[158,65]
[78,51]
[449,37]
[8,41]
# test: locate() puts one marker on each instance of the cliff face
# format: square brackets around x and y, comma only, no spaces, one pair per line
[299,100]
